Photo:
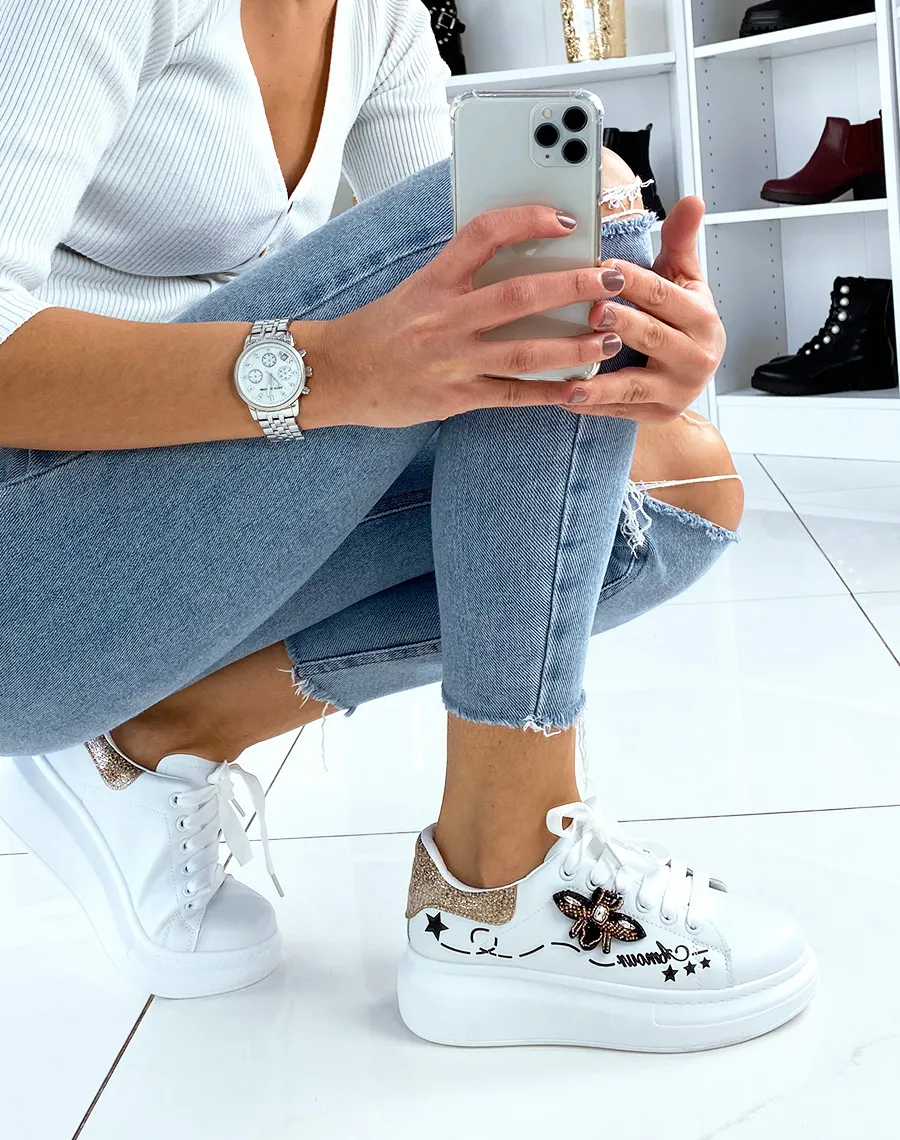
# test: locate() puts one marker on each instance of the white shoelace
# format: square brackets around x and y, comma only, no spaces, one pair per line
[213,809]
[621,863]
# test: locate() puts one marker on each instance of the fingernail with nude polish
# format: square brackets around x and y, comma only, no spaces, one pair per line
[612,344]
[579,396]
[570,224]
[608,319]
[612,280]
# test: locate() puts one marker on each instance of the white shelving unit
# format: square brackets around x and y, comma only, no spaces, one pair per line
[728,114]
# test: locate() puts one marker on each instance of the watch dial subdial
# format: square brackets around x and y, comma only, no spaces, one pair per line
[269,359]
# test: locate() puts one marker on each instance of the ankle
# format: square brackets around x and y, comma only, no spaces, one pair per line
[481,857]
[151,735]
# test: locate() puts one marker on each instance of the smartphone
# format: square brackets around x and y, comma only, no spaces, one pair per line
[526,148]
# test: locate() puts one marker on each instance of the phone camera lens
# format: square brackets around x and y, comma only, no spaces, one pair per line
[575,119]
[575,151]
[547,135]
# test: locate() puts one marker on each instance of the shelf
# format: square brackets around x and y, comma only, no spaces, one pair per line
[888,400]
[797,41]
[564,74]
[785,213]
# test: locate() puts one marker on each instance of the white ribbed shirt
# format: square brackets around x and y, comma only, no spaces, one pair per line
[137,168]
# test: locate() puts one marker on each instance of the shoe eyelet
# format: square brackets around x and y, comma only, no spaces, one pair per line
[666,920]
[189,906]
[183,847]
[567,876]
[173,800]
[181,823]
[691,929]
[185,870]
[187,892]
[639,906]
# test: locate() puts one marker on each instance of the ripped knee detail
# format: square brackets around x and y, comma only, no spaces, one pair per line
[636,520]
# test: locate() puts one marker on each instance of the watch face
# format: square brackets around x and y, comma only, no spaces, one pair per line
[270,375]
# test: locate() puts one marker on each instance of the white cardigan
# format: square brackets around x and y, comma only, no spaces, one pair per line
[137,169]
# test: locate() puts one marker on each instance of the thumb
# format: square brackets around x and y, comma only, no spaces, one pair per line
[678,258]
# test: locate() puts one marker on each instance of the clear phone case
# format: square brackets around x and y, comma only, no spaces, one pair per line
[499,161]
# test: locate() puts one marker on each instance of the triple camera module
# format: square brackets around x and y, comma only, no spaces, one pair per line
[548,135]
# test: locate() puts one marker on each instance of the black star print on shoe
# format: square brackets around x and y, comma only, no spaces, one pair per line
[669,974]
[690,968]
[435,926]
[705,963]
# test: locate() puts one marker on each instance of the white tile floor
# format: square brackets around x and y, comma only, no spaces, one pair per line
[781,673]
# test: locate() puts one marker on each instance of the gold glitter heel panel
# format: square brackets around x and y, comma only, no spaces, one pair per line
[116,770]
[429,889]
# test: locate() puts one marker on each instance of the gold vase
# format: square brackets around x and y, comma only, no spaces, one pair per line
[594,29]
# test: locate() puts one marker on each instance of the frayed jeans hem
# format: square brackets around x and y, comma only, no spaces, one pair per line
[310,690]
[549,726]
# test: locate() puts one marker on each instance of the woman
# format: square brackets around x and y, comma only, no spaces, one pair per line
[167,168]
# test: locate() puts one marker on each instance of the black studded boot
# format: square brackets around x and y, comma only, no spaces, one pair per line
[634,148]
[854,351]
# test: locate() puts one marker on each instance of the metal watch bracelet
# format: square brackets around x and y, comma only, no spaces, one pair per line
[281,424]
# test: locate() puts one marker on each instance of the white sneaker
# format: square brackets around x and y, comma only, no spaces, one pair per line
[607,943]
[140,851]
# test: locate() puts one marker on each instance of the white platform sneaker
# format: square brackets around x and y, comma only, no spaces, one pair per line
[140,851]
[608,943]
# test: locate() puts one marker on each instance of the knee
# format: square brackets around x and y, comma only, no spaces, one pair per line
[691,450]
[617,172]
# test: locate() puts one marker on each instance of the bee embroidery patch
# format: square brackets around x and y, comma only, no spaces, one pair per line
[597,922]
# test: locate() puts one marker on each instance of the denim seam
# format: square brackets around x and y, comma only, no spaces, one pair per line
[636,567]
[354,284]
[414,500]
[368,657]
[27,475]
[554,592]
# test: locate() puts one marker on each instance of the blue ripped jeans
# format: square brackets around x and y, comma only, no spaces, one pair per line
[483,551]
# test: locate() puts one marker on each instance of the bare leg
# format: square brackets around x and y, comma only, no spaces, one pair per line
[218,717]
[501,782]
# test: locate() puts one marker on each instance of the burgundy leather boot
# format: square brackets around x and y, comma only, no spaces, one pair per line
[847,158]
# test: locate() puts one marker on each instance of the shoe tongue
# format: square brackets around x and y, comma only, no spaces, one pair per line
[194,769]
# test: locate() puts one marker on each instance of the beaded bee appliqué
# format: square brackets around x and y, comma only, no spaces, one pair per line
[597,921]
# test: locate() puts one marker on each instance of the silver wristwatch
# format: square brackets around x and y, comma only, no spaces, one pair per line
[270,376]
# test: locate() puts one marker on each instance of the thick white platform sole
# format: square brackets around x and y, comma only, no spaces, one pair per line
[54,825]
[485,1006]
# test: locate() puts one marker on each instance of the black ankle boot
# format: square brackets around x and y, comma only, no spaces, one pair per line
[854,351]
[777,15]
[634,148]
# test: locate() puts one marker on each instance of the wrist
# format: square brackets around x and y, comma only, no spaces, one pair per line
[317,409]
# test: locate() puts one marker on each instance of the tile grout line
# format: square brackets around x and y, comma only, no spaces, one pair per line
[819,547]
[149,1001]
[633,819]
[112,1068]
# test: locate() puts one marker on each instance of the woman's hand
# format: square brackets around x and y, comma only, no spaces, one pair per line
[417,354]
[676,326]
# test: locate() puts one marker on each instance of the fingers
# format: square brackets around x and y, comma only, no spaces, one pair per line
[477,242]
[529,357]
[679,259]
[632,393]
[497,305]
[499,393]
[660,340]
[691,309]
